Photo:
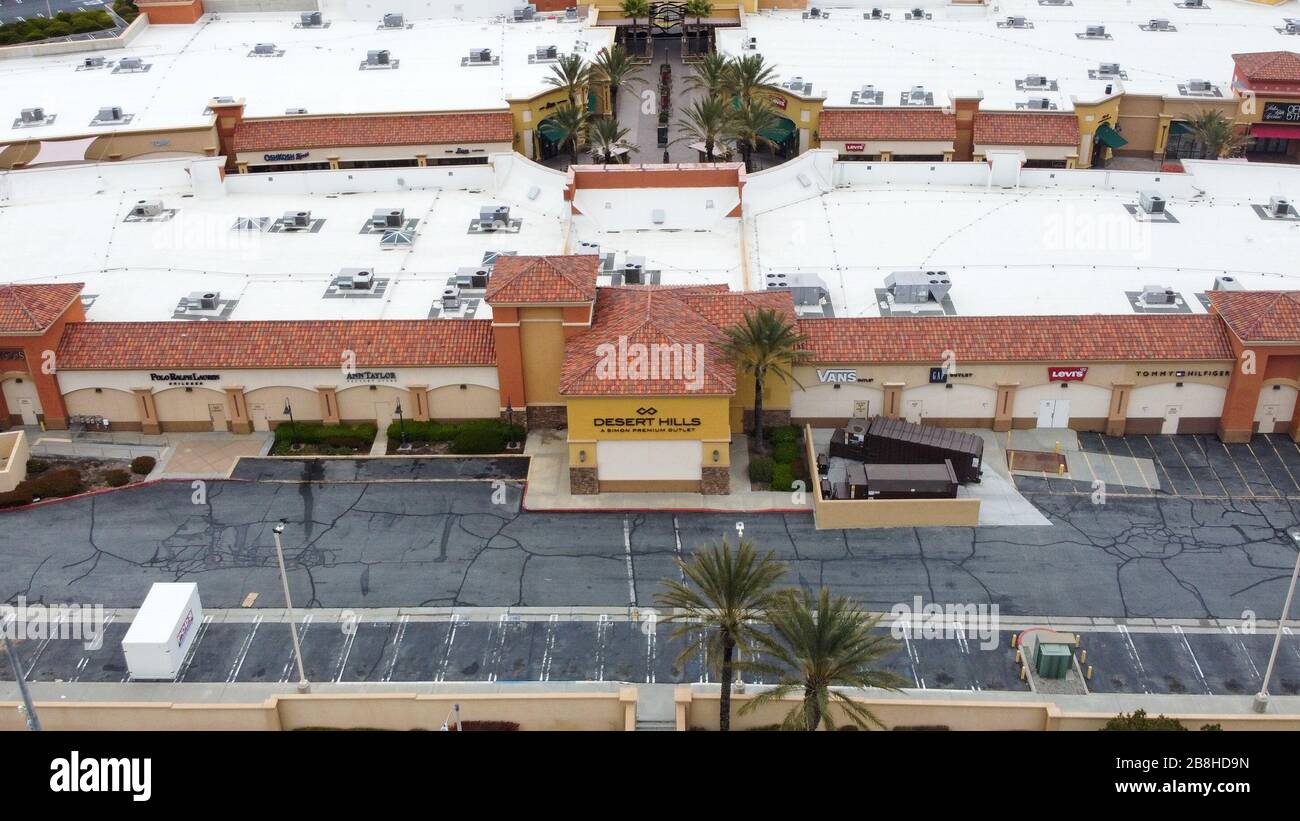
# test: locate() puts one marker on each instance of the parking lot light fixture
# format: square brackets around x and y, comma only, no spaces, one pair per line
[1261,699]
[303,685]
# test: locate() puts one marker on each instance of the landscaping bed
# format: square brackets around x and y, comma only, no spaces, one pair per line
[782,463]
[477,436]
[65,24]
[314,439]
[55,478]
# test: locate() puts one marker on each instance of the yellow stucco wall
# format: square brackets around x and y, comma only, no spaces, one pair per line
[701,418]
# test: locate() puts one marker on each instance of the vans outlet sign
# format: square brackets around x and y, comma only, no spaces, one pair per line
[1066,374]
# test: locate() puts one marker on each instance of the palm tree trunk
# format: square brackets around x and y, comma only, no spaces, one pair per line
[758,413]
[708,150]
[724,702]
[810,710]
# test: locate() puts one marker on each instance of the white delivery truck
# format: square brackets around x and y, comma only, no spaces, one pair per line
[163,631]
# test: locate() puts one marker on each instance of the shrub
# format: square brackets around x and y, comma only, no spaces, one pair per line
[782,478]
[117,478]
[474,440]
[35,467]
[58,28]
[447,432]
[56,483]
[760,469]
[486,726]
[1139,720]
[143,465]
[19,496]
[785,452]
[353,437]
[783,434]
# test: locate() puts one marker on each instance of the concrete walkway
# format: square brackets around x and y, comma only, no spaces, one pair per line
[209,455]
[548,486]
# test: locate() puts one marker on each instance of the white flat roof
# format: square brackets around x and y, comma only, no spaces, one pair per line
[962,51]
[319,71]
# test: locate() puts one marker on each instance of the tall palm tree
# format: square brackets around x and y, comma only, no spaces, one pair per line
[1217,133]
[711,74]
[606,138]
[749,120]
[699,9]
[816,644]
[567,126]
[705,120]
[571,73]
[715,607]
[751,75]
[765,343]
[615,68]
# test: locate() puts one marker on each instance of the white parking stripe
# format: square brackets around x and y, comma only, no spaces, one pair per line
[1197,664]
[243,651]
[397,645]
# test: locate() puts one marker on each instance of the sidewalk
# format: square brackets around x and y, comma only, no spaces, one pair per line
[548,486]
[209,455]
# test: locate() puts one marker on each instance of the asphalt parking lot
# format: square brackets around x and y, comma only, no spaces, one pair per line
[11,11]
[1195,466]
[408,469]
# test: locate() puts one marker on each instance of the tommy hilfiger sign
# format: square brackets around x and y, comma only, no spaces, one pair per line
[184,380]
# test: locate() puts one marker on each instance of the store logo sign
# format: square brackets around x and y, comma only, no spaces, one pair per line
[12,355]
[779,101]
[646,420]
[1066,374]
[184,380]
[1281,113]
[837,375]
[856,147]
[371,376]
[287,156]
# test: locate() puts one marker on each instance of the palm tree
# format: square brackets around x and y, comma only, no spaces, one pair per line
[615,68]
[1218,134]
[711,74]
[816,644]
[751,75]
[571,73]
[699,9]
[723,593]
[634,9]
[747,124]
[705,120]
[765,343]
[567,126]
[606,138]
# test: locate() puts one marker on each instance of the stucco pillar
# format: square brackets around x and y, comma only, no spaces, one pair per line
[886,156]
[228,117]
[893,400]
[419,402]
[4,413]
[421,160]
[242,167]
[149,422]
[947,156]
[329,404]
[334,163]
[1006,402]
[237,404]
[1117,416]
[1237,424]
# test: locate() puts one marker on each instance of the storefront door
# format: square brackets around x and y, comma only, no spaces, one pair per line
[258,413]
[1054,413]
[1172,414]
[913,410]
[218,413]
[27,408]
[1268,419]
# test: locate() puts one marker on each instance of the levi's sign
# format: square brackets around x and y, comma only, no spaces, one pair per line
[855,146]
[1066,374]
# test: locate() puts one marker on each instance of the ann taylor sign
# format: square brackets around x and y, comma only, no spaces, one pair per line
[184,380]
[371,376]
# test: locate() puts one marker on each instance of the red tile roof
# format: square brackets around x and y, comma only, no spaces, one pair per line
[297,344]
[1269,66]
[888,124]
[387,129]
[1018,338]
[522,280]
[31,309]
[1260,316]
[1026,128]
[600,360]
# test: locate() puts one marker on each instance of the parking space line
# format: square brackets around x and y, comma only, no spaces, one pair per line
[1232,631]
[1260,465]
[1282,462]
[243,651]
[548,647]
[1237,467]
[1173,486]
[194,651]
[602,633]
[913,661]
[1136,463]
[347,649]
[397,645]
[450,641]
[1210,467]
[1188,468]
[1195,663]
[651,647]
[302,635]
[1134,656]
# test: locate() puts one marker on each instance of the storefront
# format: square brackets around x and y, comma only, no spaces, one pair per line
[889,134]
[1269,83]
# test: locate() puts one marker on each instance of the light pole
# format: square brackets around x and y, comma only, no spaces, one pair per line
[303,685]
[1261,699]
[401,426]
[33,721]
[293,429]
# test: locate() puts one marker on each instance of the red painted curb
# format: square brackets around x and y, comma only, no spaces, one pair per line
[132,486]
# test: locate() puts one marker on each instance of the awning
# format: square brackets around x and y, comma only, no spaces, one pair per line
[1110,137]
[1179,127]
[779,132]
[1272,131]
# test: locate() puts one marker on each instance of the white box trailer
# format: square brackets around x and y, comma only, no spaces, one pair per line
[163,631]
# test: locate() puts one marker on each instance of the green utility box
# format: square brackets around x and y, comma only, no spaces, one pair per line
[1052,657]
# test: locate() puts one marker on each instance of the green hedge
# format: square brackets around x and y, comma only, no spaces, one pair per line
[785,453]
[334,436]
[62,24]
[783,434]
[760,469]
[451,431]
[782,477]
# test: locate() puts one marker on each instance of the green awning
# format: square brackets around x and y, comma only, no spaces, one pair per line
[780,131]
[1179,127]
[591,102]
[550,132]
[1110,137]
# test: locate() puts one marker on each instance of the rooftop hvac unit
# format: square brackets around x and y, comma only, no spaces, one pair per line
[1151,202]
[1227,283]
[203,301]
[311,19]
[110,114]
[915,287]
[917,13]
[356,279]
[917,93]
[571,13]
[1193,4]
[1035,80]
[472,278]
[657,216]
[751,43]
[147,208]
[264,48]
[33,115]
[876,13]
[388,218]
[1108,69]
[868,92]
[451,297]
[1293,26]
[394,20]
[93,62]
[1017,22]
[1279,206]
[295,111]
[295,220]
[1158,295]
[633,270]
[494,217]
[588,249]
[130,64]
[1200,86]
[548,52]
[805,289]
[480,55]
[1159,24]
[525,12]
[1094,31]
[1039,103]
[378,57]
